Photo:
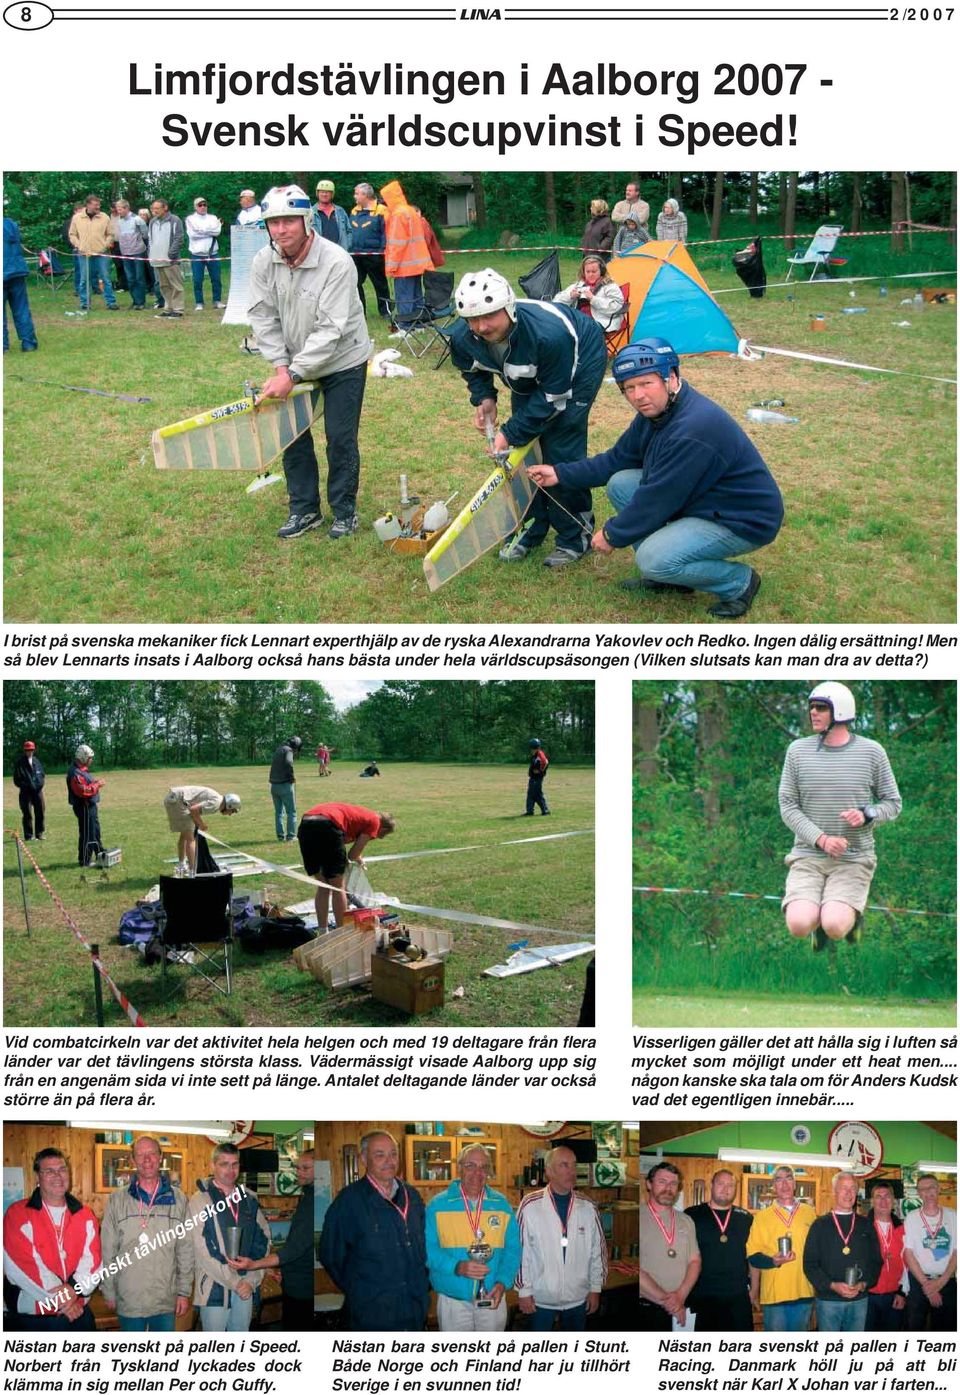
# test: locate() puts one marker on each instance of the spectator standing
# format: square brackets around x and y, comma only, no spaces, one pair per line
[92,237]
[407,255]
[15,273]
[248,214]
[149,273]
[632,206]
[203,229]
[671,223]
[369,232]
[628,235]
[329,219]
[166,241]
[131,235]
[29,779]
[598,234]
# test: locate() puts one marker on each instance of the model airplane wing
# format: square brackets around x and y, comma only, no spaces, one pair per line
[237,436]
[495,511]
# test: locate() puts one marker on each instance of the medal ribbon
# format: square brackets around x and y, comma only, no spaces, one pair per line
[670,1235]
[845,1239]
[932,1233]
[786,1219]
[886,1245]
[474,1213]
[723,1227]
[58,1237]
[145,1218]
[404,1209]
[563,1223]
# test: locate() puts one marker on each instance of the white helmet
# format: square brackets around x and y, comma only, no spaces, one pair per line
[231,803]
[83,754]
[840,698]
[483,293]
[287,201]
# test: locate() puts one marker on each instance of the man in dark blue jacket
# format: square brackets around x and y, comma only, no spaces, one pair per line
[373,1245]
[690,488]
[553,360]
[369,233]
[29,778]
[15,272]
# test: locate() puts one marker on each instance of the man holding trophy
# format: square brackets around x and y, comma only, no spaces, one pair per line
[473,1248]
[775,1247]
[842,1260]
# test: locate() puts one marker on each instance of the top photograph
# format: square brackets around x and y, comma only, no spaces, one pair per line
[380,397]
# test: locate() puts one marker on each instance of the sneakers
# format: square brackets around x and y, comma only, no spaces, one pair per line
[169,315]
[343,527]
[562,557]
[219,305]
[299,523]
[197,308]
[730,610]
[640,583]
[113,307]
[514,552]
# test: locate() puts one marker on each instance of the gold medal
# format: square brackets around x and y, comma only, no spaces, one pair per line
[723,1239]
[845,1250]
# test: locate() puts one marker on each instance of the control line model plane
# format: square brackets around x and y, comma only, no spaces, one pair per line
[496,510]
[244,435]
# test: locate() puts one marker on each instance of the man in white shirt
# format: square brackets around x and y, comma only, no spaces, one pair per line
[203,229]
[930,1254]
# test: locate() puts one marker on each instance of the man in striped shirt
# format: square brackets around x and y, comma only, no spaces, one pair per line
[836,787]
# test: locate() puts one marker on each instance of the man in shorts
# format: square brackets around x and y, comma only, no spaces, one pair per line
[185,806]
[836,787]
[323,835]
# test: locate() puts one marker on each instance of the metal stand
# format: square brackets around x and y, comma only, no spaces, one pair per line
[23,885]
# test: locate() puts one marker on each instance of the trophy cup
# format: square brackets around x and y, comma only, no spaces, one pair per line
[852,1275]
[784,1245]
[231,1241]
[481,1252]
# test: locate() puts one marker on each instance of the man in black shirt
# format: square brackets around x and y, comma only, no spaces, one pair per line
[721,1296]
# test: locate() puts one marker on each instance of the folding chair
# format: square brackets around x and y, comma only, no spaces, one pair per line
[542,282]
[818,253]
[616,339]
[438,312]
[198,919]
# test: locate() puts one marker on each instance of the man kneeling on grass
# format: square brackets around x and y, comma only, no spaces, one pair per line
[690,488]
[324,832]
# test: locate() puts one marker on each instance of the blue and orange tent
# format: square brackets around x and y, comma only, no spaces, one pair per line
[670,299]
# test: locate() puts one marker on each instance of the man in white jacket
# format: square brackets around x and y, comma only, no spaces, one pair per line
[308,321]
[564,1256]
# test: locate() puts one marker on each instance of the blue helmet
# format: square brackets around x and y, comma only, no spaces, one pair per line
[645,356]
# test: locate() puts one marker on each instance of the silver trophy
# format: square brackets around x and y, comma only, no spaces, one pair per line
[785,1245]
[852,1275]
[231,1241]
[481,1252]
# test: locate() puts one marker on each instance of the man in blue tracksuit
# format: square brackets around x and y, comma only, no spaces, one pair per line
[553,360]
[690,488]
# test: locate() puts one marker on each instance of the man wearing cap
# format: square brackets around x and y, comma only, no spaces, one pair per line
[203,229]
[29,779]
[185,807]
[778,1236]
[536,774]
[282,783]
[248,214]
[553,360]
[690,489]
[329,219]
[309,324]
[83,796]
[842,1260]
[836,787]
[669,1255]
[324,832]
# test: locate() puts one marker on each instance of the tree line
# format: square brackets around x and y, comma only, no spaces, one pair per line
[146,724]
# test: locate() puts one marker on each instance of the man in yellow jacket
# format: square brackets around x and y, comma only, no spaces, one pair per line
[406,256]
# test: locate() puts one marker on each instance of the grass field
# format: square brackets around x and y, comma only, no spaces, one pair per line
[93,532]
[652,1009]
[48,981]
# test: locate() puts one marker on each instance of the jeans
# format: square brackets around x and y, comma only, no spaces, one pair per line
[571,1319]
[408,299]
[156,1322]
[837,1315]
[236,1318]
[136,279]
[882,1316]
[15,295]
[535,797]
[213,267]
[285,802]
[342,404]
[92,270]
[689,551]
[787,1317]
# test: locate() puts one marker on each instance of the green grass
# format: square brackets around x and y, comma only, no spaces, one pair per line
[653,1009]
[93,532]
[47,981]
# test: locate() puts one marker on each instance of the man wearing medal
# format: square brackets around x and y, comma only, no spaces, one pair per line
[151,1291]
[564,1255]
[886,1299]
[372,1244]
[721,1296]
[237,1226]
[473,1248]
[669,1256]
[930,1254]
[51,1253]
[842,1260]
[775,1248]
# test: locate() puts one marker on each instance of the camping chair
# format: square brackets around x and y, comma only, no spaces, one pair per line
[818,253]
[617,339]
[437,314]
[542,282]
[198,919]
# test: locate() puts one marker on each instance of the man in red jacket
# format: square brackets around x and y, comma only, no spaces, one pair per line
[323,835]
[51,1252]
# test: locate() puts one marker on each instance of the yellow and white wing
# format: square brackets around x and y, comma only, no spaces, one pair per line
[495,511]
[236,436]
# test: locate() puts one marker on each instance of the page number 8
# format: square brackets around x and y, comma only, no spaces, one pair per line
[34,15]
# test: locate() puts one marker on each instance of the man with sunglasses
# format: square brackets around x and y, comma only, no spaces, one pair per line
[203,229]
[836,787]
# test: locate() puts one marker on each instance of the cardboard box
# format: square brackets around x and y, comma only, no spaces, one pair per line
[413,988]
